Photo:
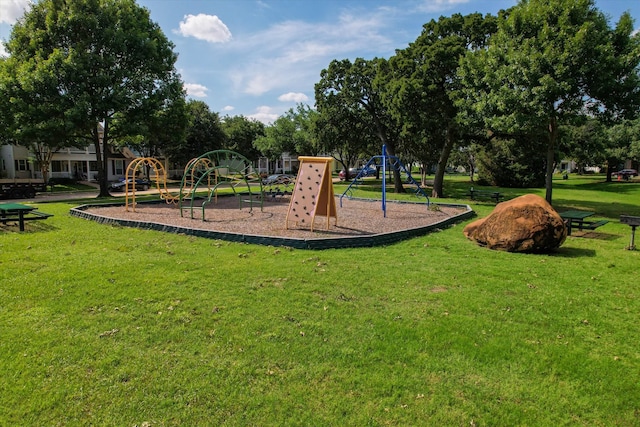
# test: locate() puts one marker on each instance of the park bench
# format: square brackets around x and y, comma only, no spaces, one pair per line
[476,194]
[591,225]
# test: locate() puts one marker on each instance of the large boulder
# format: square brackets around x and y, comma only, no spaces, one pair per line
[524,224]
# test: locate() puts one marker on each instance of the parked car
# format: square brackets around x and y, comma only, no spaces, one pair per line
[353,172]
[626,173]
[141,184]
[282,179]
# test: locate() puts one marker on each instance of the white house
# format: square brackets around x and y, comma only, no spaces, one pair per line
[73,162]
[14,162]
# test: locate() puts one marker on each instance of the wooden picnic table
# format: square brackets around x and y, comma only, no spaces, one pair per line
[19,212]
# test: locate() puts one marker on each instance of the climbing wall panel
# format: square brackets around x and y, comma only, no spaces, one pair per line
[312,193]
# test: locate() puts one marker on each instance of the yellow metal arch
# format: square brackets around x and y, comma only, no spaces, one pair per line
[137,166]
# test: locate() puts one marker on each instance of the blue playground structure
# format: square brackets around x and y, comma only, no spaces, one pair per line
[383,163]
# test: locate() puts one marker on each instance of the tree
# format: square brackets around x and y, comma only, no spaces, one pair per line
[585,143]
[293,132]
[346,133]
[203,134]
[241,134]
[424,82]
[623,143]
[39,124]
[305,140]
[158,127]
[278,138]
[354,88]
[106,59]
[634,139]
[550,61]
[511,162]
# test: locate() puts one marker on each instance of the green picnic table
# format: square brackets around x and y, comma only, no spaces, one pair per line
[575,218]
[21,213]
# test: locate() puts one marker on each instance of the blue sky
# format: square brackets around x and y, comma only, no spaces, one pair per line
[259,58]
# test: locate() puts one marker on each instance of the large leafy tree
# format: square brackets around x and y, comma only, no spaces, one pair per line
[278,138]
[203,134]
[40,124]
[550,61]
[104,61]
[634,139]
[305,138]
[293,132]
[623,143]
[156,129]
[585,142]
[241,134]
[345,133]
[511,162]
[424,83]
[357,88]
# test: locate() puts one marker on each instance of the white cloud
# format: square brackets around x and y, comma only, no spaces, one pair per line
[196,90]
[3,51]
[292,53]
[228,108]
[431,6]
[205,27]
[264,114]
[11,10]
[293,97]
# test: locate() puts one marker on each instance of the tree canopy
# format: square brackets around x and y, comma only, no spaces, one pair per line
[550,61]
[241,133]
[203,134]
[102,62]
[348,91]
[424,82]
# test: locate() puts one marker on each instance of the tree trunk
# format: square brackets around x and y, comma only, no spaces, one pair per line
[398,187]
[438,179]
[391,150]
[609,171]
[553,135]
[101,161]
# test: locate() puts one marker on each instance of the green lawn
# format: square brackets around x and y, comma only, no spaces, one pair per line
[105,325]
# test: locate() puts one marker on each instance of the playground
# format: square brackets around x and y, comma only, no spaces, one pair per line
[356,218]
[250,213]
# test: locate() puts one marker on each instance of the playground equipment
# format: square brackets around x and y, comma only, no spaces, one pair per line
[312,193]
[384,162]
[215,170]
[205,174]
[135,169]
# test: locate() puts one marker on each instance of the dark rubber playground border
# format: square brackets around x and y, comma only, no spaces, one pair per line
[315,243]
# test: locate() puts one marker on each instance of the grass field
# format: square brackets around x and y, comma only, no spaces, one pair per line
[104,325]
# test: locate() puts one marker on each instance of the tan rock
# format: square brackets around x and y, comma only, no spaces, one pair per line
[524,224]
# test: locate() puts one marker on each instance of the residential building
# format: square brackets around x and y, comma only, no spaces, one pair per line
[16,162]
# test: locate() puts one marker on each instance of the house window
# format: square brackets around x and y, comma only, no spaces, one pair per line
[117,167]
[59,166]
[22,165]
